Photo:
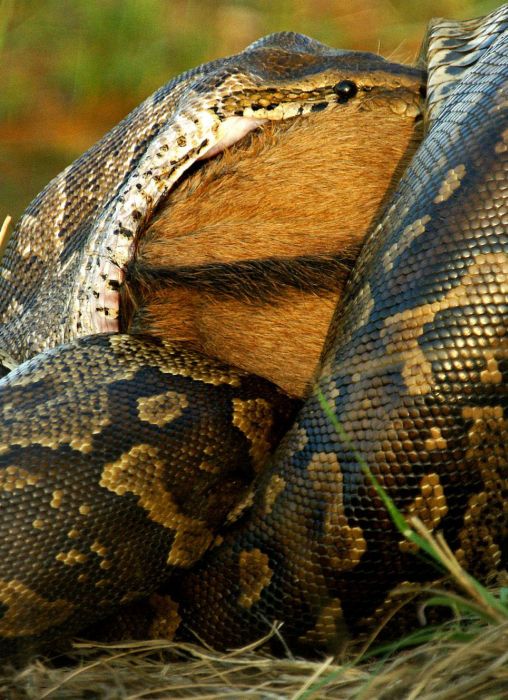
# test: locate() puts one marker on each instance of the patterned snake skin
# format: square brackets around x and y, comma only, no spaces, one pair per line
[115,472]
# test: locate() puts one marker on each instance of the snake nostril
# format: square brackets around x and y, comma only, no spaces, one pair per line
[345,90]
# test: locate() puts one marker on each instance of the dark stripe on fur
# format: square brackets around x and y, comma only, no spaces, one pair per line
[252,280]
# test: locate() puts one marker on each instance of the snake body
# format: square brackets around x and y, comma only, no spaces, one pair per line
[414,368]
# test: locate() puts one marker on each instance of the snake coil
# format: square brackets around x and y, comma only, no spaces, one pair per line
[103,500]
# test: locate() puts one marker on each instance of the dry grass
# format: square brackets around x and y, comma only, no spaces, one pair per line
[4,233]
[472,663]
[467,657]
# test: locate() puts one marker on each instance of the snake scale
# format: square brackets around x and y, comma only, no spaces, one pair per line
[126,462]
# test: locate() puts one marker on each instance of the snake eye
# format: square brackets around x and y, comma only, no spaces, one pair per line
[345,90]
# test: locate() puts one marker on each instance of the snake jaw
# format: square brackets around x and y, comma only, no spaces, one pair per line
[198,132]
[105,317]
[112,241]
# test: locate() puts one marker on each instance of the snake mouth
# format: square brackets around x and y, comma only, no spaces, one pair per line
[120,227]
[117,247]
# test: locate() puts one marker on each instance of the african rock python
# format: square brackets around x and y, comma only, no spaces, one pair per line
[103,439]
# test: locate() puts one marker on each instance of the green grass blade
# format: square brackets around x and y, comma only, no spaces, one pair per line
[395,514]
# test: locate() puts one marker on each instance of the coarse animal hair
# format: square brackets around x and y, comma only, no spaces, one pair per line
[248,256]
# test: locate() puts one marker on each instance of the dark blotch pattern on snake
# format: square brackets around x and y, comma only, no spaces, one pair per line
[97,508]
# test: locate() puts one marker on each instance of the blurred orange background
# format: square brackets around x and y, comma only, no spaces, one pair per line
[71,69]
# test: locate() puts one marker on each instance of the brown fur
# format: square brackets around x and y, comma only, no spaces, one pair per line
[247,258]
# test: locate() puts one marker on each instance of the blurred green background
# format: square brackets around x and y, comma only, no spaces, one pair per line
[70,69]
